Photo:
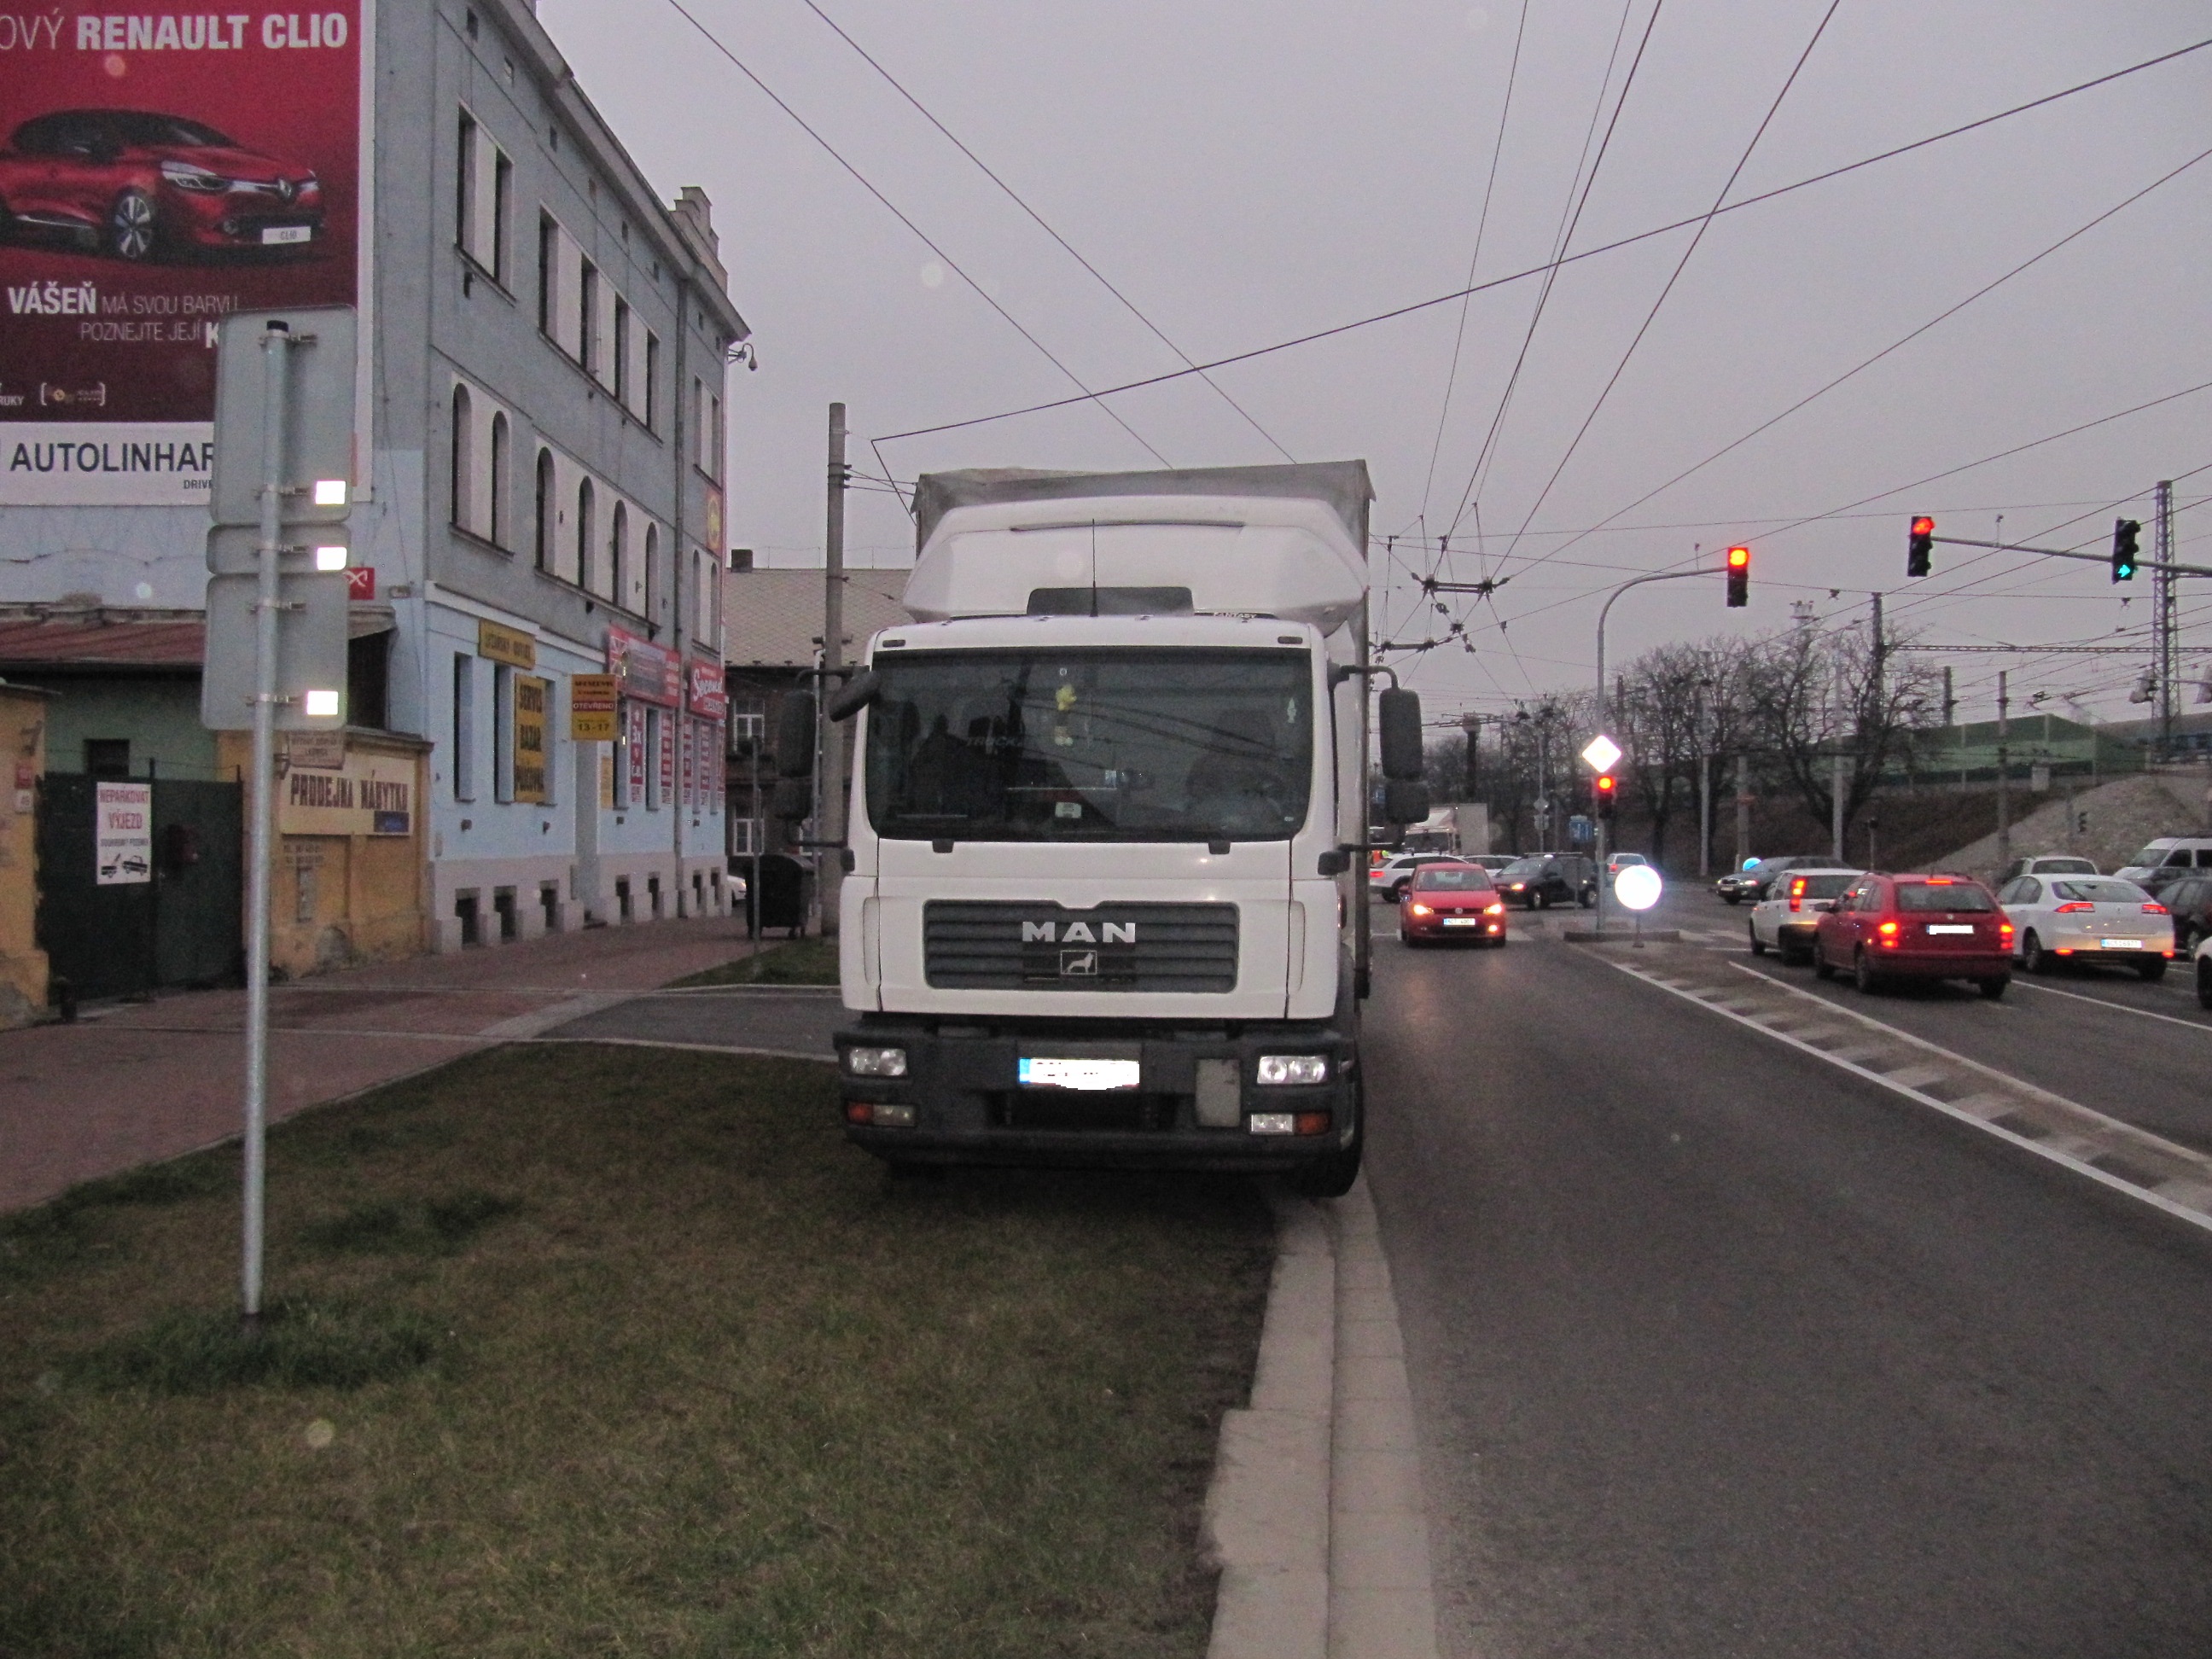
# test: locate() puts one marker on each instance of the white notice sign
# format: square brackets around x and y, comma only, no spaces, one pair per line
[123,832]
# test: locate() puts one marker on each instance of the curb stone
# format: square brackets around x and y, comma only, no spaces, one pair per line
[1314,1517]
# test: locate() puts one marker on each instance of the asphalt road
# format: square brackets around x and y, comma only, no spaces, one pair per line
[1718,1350]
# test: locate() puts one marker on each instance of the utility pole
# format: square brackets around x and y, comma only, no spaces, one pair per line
[1742,808]
[1704,790]
[1836,800]
[829,859]
[2163,609]
[2004,770]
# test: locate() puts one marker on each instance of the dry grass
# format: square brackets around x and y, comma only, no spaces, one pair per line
[596,1357]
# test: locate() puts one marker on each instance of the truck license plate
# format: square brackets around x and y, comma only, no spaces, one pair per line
[1037,1072]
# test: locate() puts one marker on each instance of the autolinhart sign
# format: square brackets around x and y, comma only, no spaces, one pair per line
[158,170]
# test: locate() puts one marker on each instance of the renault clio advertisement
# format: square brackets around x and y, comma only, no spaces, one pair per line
[159,170]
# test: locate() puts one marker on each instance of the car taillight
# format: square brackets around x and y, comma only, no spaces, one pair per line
[2156,910]
[2075,905]
[2005,927]
[1888,927]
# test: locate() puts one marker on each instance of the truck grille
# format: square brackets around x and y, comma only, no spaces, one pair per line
[975,945]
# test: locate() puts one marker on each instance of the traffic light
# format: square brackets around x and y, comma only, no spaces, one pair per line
[2124,549]
[1603,789]
[1920,547]
[1739,577]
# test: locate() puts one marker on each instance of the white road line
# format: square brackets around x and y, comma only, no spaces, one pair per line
[2065,1160]
[2197,1025]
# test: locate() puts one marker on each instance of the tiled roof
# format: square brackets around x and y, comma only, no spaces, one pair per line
[101,639]
[773,618]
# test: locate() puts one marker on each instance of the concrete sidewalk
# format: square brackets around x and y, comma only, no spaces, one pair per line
[135,1082]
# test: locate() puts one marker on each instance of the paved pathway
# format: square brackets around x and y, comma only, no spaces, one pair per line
[130,1084]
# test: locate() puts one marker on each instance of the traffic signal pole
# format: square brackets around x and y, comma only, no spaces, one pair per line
[2072,553]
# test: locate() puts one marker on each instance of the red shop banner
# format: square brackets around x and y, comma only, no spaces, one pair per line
[649,672]
[710,699]
[158,171]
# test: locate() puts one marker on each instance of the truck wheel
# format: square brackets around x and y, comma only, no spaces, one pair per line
[1327,1176]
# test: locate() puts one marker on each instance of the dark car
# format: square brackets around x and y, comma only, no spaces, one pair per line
[1543,880]
[1449,902]
[1756,881]
[1922,927]
[2190,900]
[142,187]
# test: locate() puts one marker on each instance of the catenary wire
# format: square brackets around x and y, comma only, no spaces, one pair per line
[1602,248]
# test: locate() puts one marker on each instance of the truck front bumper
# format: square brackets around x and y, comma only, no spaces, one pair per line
[1198,1104]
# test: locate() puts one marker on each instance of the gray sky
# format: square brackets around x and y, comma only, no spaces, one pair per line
[1248,173]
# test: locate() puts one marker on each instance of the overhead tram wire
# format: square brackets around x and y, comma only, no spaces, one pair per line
[1482,226]
[1128,304]
[951,264]
[1681,265]
[1558,249]
[1893,347]
[1602,248]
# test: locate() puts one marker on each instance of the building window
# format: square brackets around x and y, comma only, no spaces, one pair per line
[546,509]
[502,732]
[649,577]
[465,468]
[500,444]
[620,384]
[465,187]
[549,271]
[463,758]
[649,393]
[502,187]
[585,506]
[656,734]
[587,318]
[369,681]
[617,560]
[108,758]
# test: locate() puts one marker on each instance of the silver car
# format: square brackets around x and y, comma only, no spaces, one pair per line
[1784,922]
[2060,920]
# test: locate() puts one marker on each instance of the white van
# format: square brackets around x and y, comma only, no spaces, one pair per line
[2165,859]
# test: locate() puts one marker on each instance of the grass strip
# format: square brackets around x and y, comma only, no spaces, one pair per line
[579,1355]
[800,962]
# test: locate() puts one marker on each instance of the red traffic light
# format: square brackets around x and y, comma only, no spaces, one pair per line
[1739,557]
[1739,577]
[1924,526]
[1605,783]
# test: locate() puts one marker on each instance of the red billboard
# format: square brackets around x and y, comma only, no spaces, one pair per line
[159,170]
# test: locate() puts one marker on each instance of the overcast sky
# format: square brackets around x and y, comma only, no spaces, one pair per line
[1246,173]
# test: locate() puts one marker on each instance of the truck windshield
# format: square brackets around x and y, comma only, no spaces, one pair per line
[1115,745]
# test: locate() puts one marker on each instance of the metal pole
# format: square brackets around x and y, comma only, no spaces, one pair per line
[2004,769]
[828,862]
[276,347]
[1704,791]
[1742,808]
[756,831]
[2163,590]
[1836,801]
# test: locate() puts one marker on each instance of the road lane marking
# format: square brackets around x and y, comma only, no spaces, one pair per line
[2075,996]
[1985,1110]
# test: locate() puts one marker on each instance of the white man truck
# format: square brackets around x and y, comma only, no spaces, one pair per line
[1109,807]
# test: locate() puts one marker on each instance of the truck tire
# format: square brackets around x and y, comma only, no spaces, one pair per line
[1329,1176]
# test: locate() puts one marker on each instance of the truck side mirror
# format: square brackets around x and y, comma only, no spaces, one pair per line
[1404,800]
[792,800]
[794,737]
[857,693]
[1398,713]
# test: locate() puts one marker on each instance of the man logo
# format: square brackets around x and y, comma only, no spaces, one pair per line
[1078,932]
[1078,964]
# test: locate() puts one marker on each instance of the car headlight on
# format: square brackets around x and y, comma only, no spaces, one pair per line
[1418,910]
[1277,1071]
[876,1062]
[186,176]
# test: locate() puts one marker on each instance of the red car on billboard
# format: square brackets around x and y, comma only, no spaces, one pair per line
[142,187]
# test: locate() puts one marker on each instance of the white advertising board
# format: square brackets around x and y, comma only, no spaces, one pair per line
[123,834]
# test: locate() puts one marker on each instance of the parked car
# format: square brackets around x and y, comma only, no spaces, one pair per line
[1448,902]
[1916,927]
[140,185]
[2190,900]
[2058,920]
[2166,860]
[1616,862]
[2049,864]
[2204,973]
[1543,880]
[1492,862]
[1394,874]
[1785,921]
[1752,881]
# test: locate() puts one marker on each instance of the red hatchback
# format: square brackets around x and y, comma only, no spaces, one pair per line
[1894,928]
[1452,901]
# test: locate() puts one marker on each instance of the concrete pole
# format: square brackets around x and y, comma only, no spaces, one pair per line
[828,862]
[2163,601]
[2004,770]
[1742,808]
[1836,801]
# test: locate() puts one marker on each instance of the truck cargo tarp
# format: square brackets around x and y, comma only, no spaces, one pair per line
[1342,486]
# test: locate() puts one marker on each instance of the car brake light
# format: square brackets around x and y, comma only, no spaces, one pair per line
[2004,927]
[1941,881]
[1889,927]
[2156,910]
[2075,905]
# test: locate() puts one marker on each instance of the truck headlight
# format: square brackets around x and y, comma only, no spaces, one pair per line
[876,1062]
[1277,1070]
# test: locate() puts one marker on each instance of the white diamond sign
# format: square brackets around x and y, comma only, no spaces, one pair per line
[1601,753]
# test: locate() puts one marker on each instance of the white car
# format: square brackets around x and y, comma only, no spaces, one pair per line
[1394,875]
[2077,918]
[2051,864]
[1786,922]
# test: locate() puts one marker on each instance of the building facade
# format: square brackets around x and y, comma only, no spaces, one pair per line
[539,495]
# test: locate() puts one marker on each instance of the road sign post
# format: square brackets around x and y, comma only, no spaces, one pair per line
[283,464]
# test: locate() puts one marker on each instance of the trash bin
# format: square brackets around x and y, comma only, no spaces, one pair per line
[780,900]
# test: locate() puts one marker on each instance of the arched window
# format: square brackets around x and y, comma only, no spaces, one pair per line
[587,508]
[617,555]
[495,526]
[464,469]
[648,579]
[545,509]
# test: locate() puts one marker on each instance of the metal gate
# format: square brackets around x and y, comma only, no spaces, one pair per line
[181,929]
